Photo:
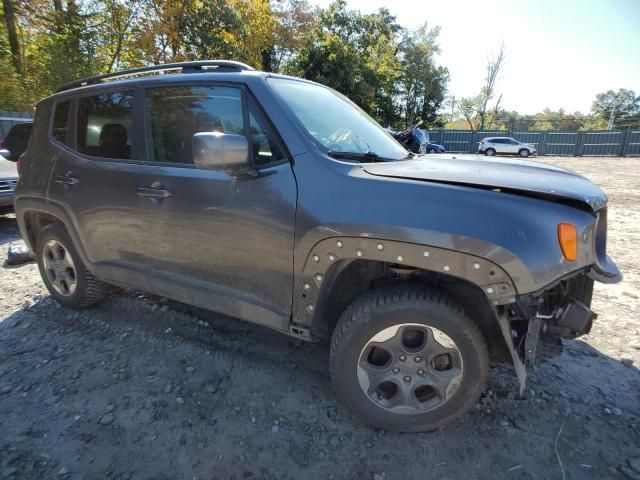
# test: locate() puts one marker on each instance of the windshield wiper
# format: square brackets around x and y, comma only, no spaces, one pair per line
[366,156]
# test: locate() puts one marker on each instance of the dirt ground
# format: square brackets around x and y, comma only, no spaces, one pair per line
[143,388]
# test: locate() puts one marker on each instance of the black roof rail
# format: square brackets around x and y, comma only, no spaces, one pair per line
[184,67]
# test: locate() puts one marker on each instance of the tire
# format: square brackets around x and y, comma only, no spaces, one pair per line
[490,152]
[524,153]
[407,309]
[431,150]
[82,288]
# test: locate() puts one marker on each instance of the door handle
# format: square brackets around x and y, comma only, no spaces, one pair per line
[66,180]
[153,192]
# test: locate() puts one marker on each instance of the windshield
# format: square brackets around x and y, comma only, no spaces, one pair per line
[335,122]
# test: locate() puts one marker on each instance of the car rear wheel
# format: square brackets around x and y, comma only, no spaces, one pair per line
[524,153]
[406,358]
[490,152]
[63,271]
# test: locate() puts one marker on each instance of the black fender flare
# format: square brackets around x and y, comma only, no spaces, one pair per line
[494,281]
[25,205]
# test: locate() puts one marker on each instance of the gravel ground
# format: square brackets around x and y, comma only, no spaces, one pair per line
[143,388]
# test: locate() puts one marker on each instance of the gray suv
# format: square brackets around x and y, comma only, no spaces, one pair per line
[278,201]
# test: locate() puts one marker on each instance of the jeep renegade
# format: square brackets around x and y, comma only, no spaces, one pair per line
[278,201]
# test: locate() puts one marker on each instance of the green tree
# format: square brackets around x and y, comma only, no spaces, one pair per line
[295,20]
[619,109]
[477,110]
[355,54]
[423,84]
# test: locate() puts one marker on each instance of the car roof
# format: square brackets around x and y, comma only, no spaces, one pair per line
[79,88]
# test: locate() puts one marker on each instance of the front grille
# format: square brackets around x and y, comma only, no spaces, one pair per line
[601,237]
[8,185]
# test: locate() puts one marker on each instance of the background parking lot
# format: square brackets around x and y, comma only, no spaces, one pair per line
[139,387]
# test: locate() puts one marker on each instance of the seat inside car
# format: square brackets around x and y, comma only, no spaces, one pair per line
[113,141]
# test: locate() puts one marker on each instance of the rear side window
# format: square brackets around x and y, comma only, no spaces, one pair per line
[61,121]
[175,114]
[104,125]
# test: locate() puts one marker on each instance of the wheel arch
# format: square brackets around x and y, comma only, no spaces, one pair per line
[340,269]
[35,214]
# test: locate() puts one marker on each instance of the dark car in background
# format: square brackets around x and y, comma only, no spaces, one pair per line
[416,140]
[16,141]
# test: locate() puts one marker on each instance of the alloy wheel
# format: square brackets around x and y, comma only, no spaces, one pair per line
[410,368]
[59,268]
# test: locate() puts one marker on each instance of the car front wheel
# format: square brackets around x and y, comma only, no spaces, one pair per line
[406,358]
[524,153]
[63,271]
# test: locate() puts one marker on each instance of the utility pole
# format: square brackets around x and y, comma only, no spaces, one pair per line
[612,116]
[453,107]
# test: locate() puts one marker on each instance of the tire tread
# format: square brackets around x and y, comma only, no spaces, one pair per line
[95,290]
[355,315]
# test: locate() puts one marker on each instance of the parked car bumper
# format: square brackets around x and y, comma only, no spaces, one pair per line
[7,187]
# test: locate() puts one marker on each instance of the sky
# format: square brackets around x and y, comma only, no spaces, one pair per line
[560,53]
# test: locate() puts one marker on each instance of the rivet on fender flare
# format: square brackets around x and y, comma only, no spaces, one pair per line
[446,268]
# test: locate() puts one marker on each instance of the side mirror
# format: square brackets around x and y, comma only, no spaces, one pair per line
[220,151]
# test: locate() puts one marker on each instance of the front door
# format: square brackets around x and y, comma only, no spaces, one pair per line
[512,146]
[219,242]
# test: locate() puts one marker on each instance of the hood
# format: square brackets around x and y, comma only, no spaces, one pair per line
[8,169]
[512,176]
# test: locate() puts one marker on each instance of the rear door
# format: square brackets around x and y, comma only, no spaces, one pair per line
[95,179]
[217,241]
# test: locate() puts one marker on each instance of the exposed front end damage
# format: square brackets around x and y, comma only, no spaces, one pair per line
[535,325]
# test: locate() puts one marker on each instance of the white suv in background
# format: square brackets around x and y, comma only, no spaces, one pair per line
[493,145]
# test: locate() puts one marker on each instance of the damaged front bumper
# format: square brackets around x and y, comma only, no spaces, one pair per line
[535,325]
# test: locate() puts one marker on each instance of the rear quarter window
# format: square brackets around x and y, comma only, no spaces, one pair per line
[61,122]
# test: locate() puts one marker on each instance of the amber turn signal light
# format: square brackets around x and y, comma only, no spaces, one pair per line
[568,238]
